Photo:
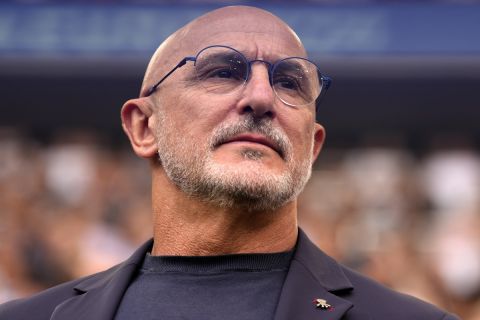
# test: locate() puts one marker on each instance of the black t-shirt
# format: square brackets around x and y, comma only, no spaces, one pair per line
[241,286]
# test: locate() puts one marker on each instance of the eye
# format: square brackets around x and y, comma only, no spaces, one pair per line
[227,72]
[212,72]
[223,73]
[285,82]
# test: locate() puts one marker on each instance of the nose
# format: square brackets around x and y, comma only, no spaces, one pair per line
[258,96]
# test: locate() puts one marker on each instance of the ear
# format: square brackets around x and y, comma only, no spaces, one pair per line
[138,123]
[318,139]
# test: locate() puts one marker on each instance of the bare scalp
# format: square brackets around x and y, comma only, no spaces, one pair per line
[222,24]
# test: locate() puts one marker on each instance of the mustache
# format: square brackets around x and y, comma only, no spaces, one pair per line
[250,124]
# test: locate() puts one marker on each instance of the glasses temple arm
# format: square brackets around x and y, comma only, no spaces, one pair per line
[326,83]
[180,64]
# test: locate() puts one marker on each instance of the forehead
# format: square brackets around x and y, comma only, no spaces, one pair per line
[256,35]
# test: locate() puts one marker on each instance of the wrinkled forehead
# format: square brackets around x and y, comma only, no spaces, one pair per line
[258,34]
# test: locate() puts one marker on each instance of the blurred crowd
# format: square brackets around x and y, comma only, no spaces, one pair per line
[77,205]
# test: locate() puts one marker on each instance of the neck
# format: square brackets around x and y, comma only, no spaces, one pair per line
[190,227]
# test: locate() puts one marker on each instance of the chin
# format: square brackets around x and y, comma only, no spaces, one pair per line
[254,188]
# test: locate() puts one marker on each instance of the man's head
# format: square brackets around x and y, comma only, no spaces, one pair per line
[242,148]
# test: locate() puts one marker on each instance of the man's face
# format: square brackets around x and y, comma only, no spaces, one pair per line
[243,149]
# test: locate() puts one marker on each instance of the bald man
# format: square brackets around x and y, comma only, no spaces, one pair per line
[226,117]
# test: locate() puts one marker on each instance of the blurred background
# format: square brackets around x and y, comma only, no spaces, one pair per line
[395,193]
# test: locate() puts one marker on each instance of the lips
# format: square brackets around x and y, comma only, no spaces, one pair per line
[255,138]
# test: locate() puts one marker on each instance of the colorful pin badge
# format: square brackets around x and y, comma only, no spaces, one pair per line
[322,304]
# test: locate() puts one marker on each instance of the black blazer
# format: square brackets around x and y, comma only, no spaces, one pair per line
[312,275]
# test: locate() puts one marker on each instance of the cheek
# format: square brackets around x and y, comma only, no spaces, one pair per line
[181,110]
[208,110]
[300,130]
[304,144]
[196,115]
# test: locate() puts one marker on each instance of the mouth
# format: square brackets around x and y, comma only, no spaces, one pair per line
[255,138]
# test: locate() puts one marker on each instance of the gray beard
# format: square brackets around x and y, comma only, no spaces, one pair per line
[191,168]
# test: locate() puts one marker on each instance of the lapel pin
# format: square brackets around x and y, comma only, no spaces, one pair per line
[322,304]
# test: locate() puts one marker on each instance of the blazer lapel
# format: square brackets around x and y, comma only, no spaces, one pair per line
[312,275]
[99,296]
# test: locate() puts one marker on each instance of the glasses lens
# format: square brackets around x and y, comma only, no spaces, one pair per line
[220,69]
[296,81]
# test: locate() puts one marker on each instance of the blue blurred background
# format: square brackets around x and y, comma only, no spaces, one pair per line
[395,193]
[408,66]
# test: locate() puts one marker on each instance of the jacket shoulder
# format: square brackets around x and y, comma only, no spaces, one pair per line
[368,298]
[41,305]
[382,302]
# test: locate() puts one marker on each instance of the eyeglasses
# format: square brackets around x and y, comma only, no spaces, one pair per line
[221,69]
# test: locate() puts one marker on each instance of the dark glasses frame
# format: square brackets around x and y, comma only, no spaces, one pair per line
[325,80]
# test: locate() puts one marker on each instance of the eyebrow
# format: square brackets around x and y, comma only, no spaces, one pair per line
[292,65]
[222,56]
